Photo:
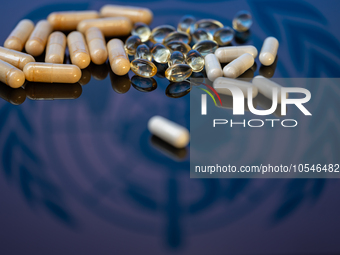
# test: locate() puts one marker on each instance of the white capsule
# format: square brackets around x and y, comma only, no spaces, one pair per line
[269,51]
[228,54]
[221,86]
[265,87]
[171,132]
[238,66]
[212,67]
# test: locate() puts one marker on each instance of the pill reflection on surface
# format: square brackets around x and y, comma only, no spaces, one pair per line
[238,66]
[69,20]
[78,50]
[118,59]
[15,58]
[11,95]
[97,45]
[212,67]
[268,71]
[120,84]
[267,103]
[10,75]
[18,37]
[221,86]
[269,51]
[228,54]
[169,131]
[55,49]
[143,84]
[99,72]
[265,87]
[178,89]
[36,43]
[48,91]
[85,76]
[177,154]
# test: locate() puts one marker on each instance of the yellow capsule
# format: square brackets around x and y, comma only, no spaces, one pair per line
[13,96]
[11,75]
[178,46]
[201,35]
[131,44]
[18,37]
[142,30]
[160,53]
[55,49]
[159,33]
[143,67]
[48,91]
[47,72]
[135,14]
[209,25]
[37,41]
[118,59]
[177,36]
[117,26]
[69,20]
[176,58]
[195,60]
[143,84]
[78,50]
[186,24]
[224,36]
[179,72]
[143,52]
[15,58]
[205,47]
[242,21]
[97,45]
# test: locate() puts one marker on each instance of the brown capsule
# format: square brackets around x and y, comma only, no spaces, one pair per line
[78,50]
[18,37]
[11,75]
[37,42]
[55,49]
[15,58]
[118,59]
[69,20]
[97,45]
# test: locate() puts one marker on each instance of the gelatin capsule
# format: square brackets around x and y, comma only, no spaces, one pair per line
[212,67]
[160,53]
[143,84]
[36,43]
[171,132]
[47,72]
[97,45]
[159,33]
[228,54]
[186,24]
[205,47]
[143,52]
[15,58]
[118,59]
[10,75]
[177,36]
[265,87]
[118,26]
[224,36]
[178,89]
[195,60]
[178,72]
[209,25]
[55,49]
[201,35]
[135,14]
[238,66]
[269,51]
[53,91]
[143,68]
[69,20]
[178,46]
[78,50]
[142,30]
[18,37]
[14,96]
[131,44]
[176,58]
[242,21]
[221,86]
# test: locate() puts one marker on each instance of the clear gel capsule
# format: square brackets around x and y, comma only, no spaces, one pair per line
[135,14]
[209,25]
[56,73]
[118,59]
[143,52]
[242,21]
[131,44]
[48,91]
[143,84]
[97,45]
[110,27]
[159,33]
[160,53]
[178,46]
[195,60]
[201,35]
[176,58]
[55,49]
[15,58]
[238,66]
[69,20]
[228,54]
[223,36]
[269,51]
[14,96]
[205,47]
[171,132]
[178,89]
[178,72]
[36,43]
[265,87]
[186,24]
[143,68]
[18,37]
[78,50]
[142,30]
[213,67]
[221,86]
[10,75]
[177,36]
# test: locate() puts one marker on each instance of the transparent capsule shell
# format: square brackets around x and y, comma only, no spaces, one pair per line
[143,84]
[143,68]
[205,47]
[178,46]
[176,58]
[142,30]
[224,36]
[201,35]
[178,89]
[178,72]
[195,60]
[177,36]
[160,53]
[159,33]
[131,44]
[209,25]
[186,24]
[242,21]
[143,52]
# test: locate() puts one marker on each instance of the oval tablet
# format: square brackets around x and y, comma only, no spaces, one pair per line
[228,54]
[15,58]
[238,66]
[55,49]
[212,67]
[269,51]
[37,41]
[97,45]
[78,50]
[47,72]
[169,131]
[11,75]
[265,87]
[18,37]
[69,20]
[221,86]
[118,59]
